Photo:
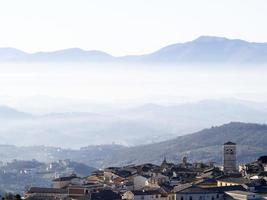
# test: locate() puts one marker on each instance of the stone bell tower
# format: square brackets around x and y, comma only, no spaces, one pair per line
[229,157]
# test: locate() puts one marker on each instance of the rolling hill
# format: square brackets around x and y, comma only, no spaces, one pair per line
[205,145]
[145,124]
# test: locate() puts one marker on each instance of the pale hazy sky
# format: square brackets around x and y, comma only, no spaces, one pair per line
[124,27]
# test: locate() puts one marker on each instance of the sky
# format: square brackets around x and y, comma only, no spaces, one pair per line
[122,27]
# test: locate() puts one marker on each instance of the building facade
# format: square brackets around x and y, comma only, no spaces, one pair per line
[229,157]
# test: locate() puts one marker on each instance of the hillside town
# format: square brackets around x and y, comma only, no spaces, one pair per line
[17,176]
[167,181]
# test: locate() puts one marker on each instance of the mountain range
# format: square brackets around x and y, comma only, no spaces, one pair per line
[205,49]
[145,124]
[205,145]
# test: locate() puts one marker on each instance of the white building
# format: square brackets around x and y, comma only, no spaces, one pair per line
[197,193]
[140,182]
[243,195]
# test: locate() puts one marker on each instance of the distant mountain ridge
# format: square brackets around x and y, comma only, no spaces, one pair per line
[72,54]
[10,113]
[205,145]
[212,49]
[139,125]
[205,49]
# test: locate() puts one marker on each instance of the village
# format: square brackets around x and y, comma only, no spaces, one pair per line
[167,181]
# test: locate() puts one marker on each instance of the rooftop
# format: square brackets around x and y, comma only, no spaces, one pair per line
[65,178]
[193,189]
[155,191]
[237,180]
[241,192]
[229,143]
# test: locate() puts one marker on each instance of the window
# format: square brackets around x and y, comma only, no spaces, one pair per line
[217,196]
[212,198]
[190,198]
[182,198]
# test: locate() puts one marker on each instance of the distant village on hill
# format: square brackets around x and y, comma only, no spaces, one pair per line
[167,181]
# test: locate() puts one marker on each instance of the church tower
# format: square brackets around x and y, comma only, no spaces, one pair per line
[229,157]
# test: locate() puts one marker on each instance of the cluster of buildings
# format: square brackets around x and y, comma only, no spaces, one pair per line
[168,181]
[16,176]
